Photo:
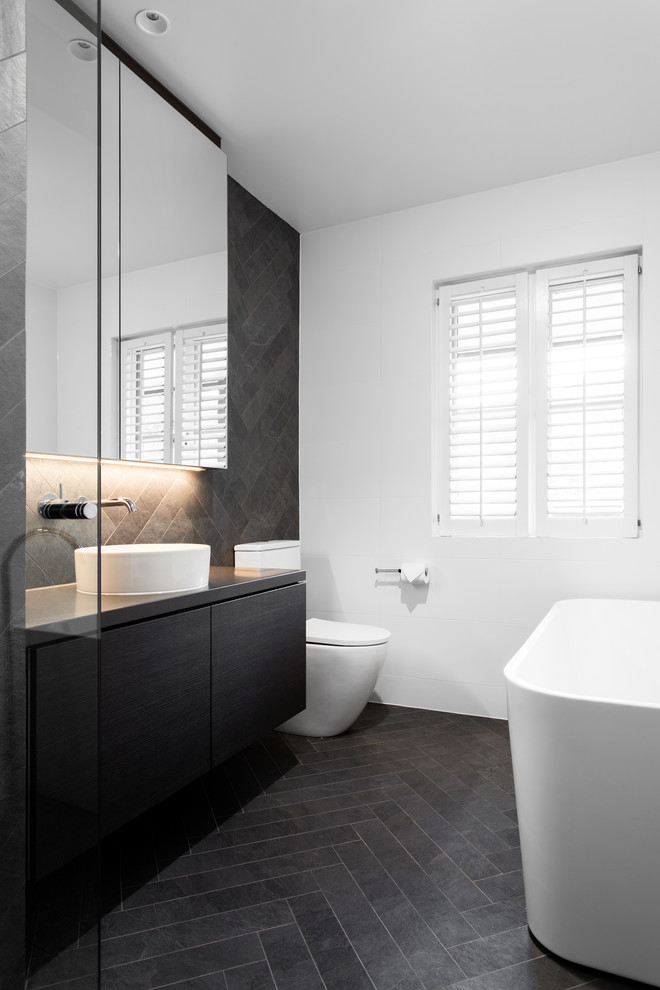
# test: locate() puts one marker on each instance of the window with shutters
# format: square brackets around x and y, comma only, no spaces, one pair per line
[536,402]
[481,390]
[586,388]
[174,396]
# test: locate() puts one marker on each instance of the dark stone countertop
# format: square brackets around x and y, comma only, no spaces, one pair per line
[59,611]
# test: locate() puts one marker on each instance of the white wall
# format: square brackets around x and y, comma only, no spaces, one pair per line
[76,369]
[367,323]
[40,367]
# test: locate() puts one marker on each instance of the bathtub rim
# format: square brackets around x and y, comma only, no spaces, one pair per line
[514,678]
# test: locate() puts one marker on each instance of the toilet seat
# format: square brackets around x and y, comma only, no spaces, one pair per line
[330,633]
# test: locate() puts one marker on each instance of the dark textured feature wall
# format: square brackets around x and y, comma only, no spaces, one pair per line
[12,490]
[256,497]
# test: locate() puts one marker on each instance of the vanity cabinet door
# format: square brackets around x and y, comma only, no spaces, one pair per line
[258,666]
[63,755]
[155,712]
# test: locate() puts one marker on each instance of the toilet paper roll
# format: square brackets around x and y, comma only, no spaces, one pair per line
[415,571]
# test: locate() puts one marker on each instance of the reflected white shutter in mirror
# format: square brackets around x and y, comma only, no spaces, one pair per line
[147,399]
[200,429]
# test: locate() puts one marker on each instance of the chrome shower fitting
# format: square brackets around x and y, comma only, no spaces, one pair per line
[52,507]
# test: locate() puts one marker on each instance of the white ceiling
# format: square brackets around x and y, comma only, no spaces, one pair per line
[339,110]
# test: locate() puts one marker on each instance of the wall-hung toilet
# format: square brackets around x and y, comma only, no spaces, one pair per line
[343,659]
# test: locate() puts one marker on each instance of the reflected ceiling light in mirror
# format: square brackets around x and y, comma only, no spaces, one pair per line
[152,21]
[83,50]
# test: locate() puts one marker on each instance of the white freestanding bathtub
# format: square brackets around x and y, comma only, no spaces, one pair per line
[584,716]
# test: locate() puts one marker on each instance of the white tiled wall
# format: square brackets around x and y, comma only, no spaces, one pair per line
[366,435]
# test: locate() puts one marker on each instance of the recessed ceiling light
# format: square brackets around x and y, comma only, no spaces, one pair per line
[84,50]
[152,21]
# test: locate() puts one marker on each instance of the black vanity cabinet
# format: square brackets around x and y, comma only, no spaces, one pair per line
[257,666]
[185,682]
[155,709]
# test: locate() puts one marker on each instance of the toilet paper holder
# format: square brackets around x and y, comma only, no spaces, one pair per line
[397,570]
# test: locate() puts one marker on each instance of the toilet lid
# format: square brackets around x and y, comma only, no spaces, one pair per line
[344,633]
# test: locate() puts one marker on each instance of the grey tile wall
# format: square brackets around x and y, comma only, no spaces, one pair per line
[256,497]
[12,28]
[12,490]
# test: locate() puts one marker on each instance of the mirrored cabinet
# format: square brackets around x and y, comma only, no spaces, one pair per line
[124,186]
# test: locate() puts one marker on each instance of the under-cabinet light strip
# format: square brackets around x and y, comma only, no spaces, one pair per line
[117,463]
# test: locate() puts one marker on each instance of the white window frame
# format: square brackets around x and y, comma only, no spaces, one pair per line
[532,403]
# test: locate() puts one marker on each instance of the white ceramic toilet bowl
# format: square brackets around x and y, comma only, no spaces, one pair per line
[343,664]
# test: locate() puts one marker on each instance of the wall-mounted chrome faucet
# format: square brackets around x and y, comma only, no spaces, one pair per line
[52,507]
[108,503]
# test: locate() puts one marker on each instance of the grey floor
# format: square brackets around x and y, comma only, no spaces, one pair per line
[385,858]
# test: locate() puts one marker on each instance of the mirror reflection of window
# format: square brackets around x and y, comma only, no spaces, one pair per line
[146,399]
[174,396]
[173,275]
[200,394]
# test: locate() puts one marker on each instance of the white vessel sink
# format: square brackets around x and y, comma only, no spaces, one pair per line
[144,568]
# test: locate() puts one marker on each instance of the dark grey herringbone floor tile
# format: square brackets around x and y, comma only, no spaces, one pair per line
[383,859]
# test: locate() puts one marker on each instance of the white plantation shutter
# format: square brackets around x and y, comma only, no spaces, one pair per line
[482,348]
[147,398]
[587,399]
[547,446]
[201,405]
